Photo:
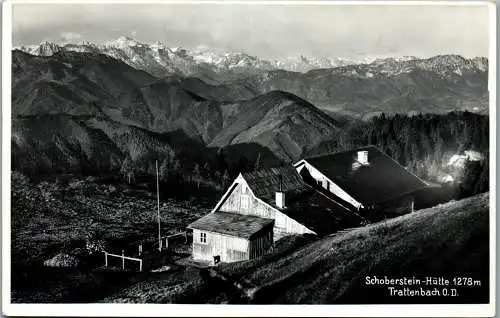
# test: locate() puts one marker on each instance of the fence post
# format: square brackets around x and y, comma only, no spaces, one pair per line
[123,259]
[140,265]
[106,258]
[140,249]
[166,243]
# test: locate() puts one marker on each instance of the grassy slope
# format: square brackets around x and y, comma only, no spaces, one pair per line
[190,285]
[47,215]
[448,240]
[48,218]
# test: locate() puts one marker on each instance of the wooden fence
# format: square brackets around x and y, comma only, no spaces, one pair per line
[123,257]
[166,242]
[174,238]
[141,251]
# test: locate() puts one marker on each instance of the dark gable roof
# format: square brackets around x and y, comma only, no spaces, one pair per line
[381,180]
[265,183]
[304,204]
[231,224]
[320,214]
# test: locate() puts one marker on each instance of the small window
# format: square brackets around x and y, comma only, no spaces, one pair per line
[243,188]
[203,237]
[244,202]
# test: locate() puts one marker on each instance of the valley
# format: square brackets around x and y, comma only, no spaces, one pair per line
[289,114]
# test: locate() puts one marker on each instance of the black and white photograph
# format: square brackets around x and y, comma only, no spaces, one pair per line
[249,153]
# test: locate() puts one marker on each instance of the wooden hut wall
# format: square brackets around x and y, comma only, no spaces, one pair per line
[229,248]
[261,243]
[283,226]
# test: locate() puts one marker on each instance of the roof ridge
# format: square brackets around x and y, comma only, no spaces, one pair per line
[327,197]
[337,168]
[268,169]
[411,173]
[347,209]
[269,172]
[343,151]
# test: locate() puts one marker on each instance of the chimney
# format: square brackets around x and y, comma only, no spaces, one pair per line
[363,157]
[280,195]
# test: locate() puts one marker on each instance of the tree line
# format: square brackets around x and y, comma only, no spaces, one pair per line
[423,143]
[179,172]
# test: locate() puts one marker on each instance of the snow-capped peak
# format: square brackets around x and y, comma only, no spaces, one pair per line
[86,43]
[123,42]
[158,45]
[160,60]
[45,48]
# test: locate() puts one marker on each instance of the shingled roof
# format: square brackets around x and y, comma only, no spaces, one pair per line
[231,224]
[265,183]
[304,204]
[380,180]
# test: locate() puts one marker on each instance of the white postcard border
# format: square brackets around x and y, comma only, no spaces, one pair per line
[162,310]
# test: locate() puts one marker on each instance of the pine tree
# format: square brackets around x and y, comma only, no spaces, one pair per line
[151,168]
[257,164]
[164,169]
[220,161]
[127,169]
[218,176]
[177,166]
[197,174]
[206,170]
[483,182]
[225,179]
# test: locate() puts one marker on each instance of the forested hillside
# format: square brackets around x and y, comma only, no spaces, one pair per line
[425,144]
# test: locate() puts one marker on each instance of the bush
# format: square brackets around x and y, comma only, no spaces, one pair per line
[94,241]
[62,260]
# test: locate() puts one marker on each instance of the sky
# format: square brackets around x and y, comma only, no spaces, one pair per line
[267,31]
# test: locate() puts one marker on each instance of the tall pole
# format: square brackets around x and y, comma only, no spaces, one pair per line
[158,201]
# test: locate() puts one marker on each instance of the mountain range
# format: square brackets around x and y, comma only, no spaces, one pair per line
[83,106]
[211,65]
[70,106]
[359,89]
[434,85]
